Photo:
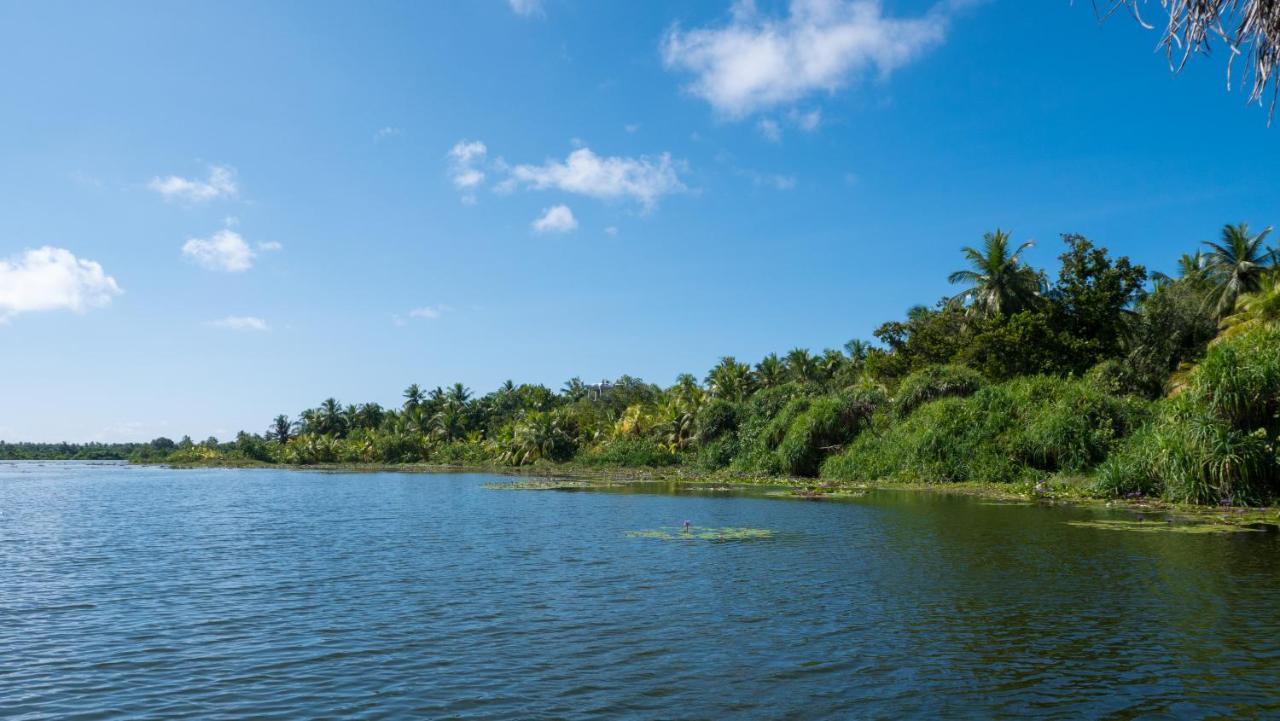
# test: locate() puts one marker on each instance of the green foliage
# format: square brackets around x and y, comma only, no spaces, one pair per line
[935,382]
[1025,429]
[1216,441]
[822,428]
[629,452]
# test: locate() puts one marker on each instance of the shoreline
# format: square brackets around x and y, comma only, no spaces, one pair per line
[1061,493]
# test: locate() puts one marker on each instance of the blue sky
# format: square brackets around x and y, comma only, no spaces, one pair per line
[248,207]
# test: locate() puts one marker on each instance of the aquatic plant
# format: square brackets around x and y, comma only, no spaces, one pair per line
[701,533]
[1149,526]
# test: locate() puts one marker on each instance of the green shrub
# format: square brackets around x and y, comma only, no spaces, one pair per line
[1215,442]
[935,382]
[1025,429]
[630,452]
[716,419]
[821,429]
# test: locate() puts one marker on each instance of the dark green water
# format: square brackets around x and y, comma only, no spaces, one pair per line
[150,593]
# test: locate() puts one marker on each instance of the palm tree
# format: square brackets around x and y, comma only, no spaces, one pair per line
[332,420]
[281,429]
[770,371]
[1253,310]
[802,366]
[1194,24]
[1236,265]
[730,379]
[413,396]
[574,389]
[458,394]
[999,282]
[857,350]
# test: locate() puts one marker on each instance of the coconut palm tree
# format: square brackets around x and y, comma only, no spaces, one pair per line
[802,366]
[332,417]
[771,372]
[574,389]
[1258,309]
[999,282]
[1236,265]
[458,394]
[413,396]
[730,379]
[1193,24]
[281,429]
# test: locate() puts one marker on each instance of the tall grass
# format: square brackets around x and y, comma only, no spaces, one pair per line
[1216,442]
[1024,429]
[935,382]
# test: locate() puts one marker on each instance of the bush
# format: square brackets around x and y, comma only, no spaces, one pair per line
[1215,442]
[631,452]
[821,429]
[933,383]
[716,419]
[1025,429]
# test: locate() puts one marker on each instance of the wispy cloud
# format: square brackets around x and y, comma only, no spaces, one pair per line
[770,129]
[466,159]
[221,183]
[643,179]
[430,312]
[241,323]
[556,219]
[51,278]
[526,8]
[225,250]
[756,62]
[385,133]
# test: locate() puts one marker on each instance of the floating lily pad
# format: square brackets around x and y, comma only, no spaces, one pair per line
[701,533]
[546,485]
[816,495]
[1162,527]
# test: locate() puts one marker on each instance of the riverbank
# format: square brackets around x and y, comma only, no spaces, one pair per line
[1062,491]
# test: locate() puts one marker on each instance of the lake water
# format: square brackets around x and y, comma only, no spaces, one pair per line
[154,593]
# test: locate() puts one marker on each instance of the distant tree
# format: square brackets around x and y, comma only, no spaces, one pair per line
[802,366]
[771,372]
[413,396]
[281,429]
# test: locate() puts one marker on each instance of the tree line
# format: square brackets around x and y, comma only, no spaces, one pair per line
[1020,376]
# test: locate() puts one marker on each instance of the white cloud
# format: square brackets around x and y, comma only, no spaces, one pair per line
[643,179]
[769,129]
[611,231]
[464,158]
[556,219]
[631,127]
[776,181]
[220,184]
[526,8]
[241,323]
[225,250]
[807,122]
[430,312]
[385,133]
[52,279]
[756,62]
[270,246]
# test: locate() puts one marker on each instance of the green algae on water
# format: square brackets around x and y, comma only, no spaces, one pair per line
[1144,526]
[540,485]
[701,533]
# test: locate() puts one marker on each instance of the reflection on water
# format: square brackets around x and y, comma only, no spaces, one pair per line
[153,593]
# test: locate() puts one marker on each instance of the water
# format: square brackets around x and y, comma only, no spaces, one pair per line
[152,593]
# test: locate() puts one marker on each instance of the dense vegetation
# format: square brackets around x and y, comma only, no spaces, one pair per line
[156,450]
[1104,375]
